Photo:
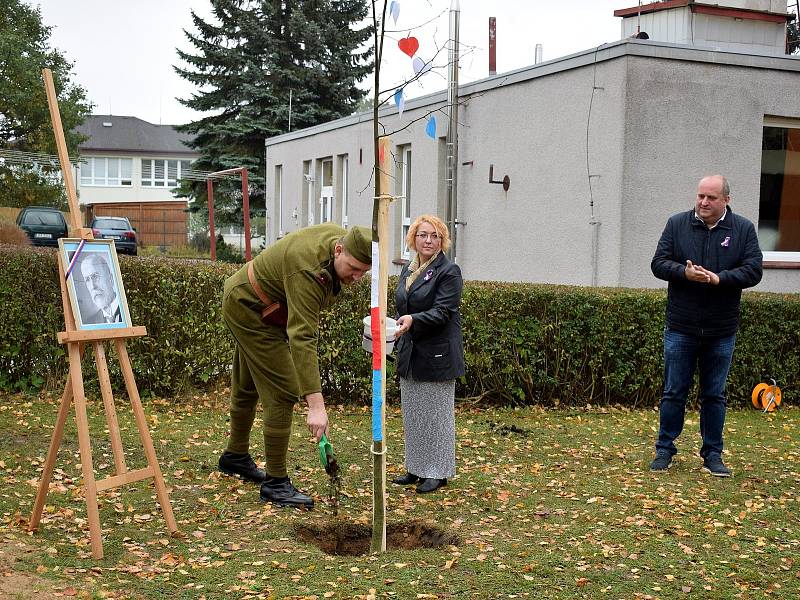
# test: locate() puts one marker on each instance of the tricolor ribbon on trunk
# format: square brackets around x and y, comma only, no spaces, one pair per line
[377,347]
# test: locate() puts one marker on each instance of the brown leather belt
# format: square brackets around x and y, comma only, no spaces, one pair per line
[270,305]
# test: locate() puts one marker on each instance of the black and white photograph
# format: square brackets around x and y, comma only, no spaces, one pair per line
[95,284]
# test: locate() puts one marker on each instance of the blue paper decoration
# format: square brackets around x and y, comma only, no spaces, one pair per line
[430,128]
[394,10]
[400,101]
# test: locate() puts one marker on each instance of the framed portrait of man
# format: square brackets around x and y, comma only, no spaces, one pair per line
[94,283]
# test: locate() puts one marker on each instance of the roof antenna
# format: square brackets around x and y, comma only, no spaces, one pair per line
[638,19]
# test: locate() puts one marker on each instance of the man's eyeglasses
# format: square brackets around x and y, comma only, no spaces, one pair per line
[428,236]
[93,278]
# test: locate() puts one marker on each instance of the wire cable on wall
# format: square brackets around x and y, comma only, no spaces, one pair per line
[593,221]
[588,121]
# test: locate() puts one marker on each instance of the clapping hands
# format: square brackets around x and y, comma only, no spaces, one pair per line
[700,274]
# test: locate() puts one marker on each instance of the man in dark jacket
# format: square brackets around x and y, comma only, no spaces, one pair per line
[708,255]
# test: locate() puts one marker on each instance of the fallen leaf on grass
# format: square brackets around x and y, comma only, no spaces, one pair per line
[686,549]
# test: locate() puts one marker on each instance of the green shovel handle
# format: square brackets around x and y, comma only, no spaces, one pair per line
[325,450]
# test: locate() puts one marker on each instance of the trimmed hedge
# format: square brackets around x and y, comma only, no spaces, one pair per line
[525,343]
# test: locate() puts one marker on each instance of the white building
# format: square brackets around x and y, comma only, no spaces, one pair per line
[600,147]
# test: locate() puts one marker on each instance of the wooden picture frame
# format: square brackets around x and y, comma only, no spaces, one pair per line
[94,283]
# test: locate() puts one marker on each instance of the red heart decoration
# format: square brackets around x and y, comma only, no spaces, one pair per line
[409,45]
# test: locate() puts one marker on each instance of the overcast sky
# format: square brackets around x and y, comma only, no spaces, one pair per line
[123,52]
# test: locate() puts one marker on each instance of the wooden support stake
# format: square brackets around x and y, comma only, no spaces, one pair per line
[379,446]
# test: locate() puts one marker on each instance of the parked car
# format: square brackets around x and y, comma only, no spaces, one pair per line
[118,229]
[44,225]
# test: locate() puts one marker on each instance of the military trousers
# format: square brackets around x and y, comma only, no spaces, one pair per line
[263,370]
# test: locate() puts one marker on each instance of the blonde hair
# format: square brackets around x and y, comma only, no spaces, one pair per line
[433,221]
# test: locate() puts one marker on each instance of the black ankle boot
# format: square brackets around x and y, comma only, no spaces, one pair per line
[406,479]
[242,466]
[280,491]
[426,486]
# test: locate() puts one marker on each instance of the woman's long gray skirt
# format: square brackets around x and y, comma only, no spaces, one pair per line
[429,423]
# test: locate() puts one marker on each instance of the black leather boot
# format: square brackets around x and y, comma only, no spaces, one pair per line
[242,466]
[426,486]
[280,491]
[406,479]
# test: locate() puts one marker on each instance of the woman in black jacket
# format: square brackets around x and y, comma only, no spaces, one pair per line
[430,355]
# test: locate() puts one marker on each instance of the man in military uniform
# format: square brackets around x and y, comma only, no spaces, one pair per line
[272,307]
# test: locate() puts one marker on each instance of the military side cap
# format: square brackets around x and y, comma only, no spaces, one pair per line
[358,243]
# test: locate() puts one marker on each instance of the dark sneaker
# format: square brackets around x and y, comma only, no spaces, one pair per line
[283,493]
[661,463]
[714,465]
[242,466]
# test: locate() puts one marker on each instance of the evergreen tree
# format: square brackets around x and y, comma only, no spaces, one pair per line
[25,125]
[246,65]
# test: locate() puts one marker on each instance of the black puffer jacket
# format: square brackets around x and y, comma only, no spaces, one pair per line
[730,250]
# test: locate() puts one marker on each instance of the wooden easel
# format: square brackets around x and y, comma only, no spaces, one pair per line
[76,340]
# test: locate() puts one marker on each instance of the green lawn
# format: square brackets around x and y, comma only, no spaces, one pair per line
[546,504]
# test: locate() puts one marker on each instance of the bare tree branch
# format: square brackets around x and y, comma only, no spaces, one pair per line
[417,26]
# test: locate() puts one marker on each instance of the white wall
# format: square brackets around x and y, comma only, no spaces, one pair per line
[536,133]
[662,116]
[686,119]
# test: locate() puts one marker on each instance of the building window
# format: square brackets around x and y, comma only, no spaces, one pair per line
[104,171]
[279,199]
[326,192]
[779,204]
[343,191]
[405,198]
[162,172]
[307,194]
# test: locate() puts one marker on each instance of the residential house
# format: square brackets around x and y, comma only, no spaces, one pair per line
[129,167]
[600,148]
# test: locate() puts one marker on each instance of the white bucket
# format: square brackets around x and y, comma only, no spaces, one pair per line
[366,338]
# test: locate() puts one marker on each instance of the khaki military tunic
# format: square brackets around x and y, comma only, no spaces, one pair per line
[276,360]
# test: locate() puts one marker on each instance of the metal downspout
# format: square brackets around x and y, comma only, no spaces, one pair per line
[452,129]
